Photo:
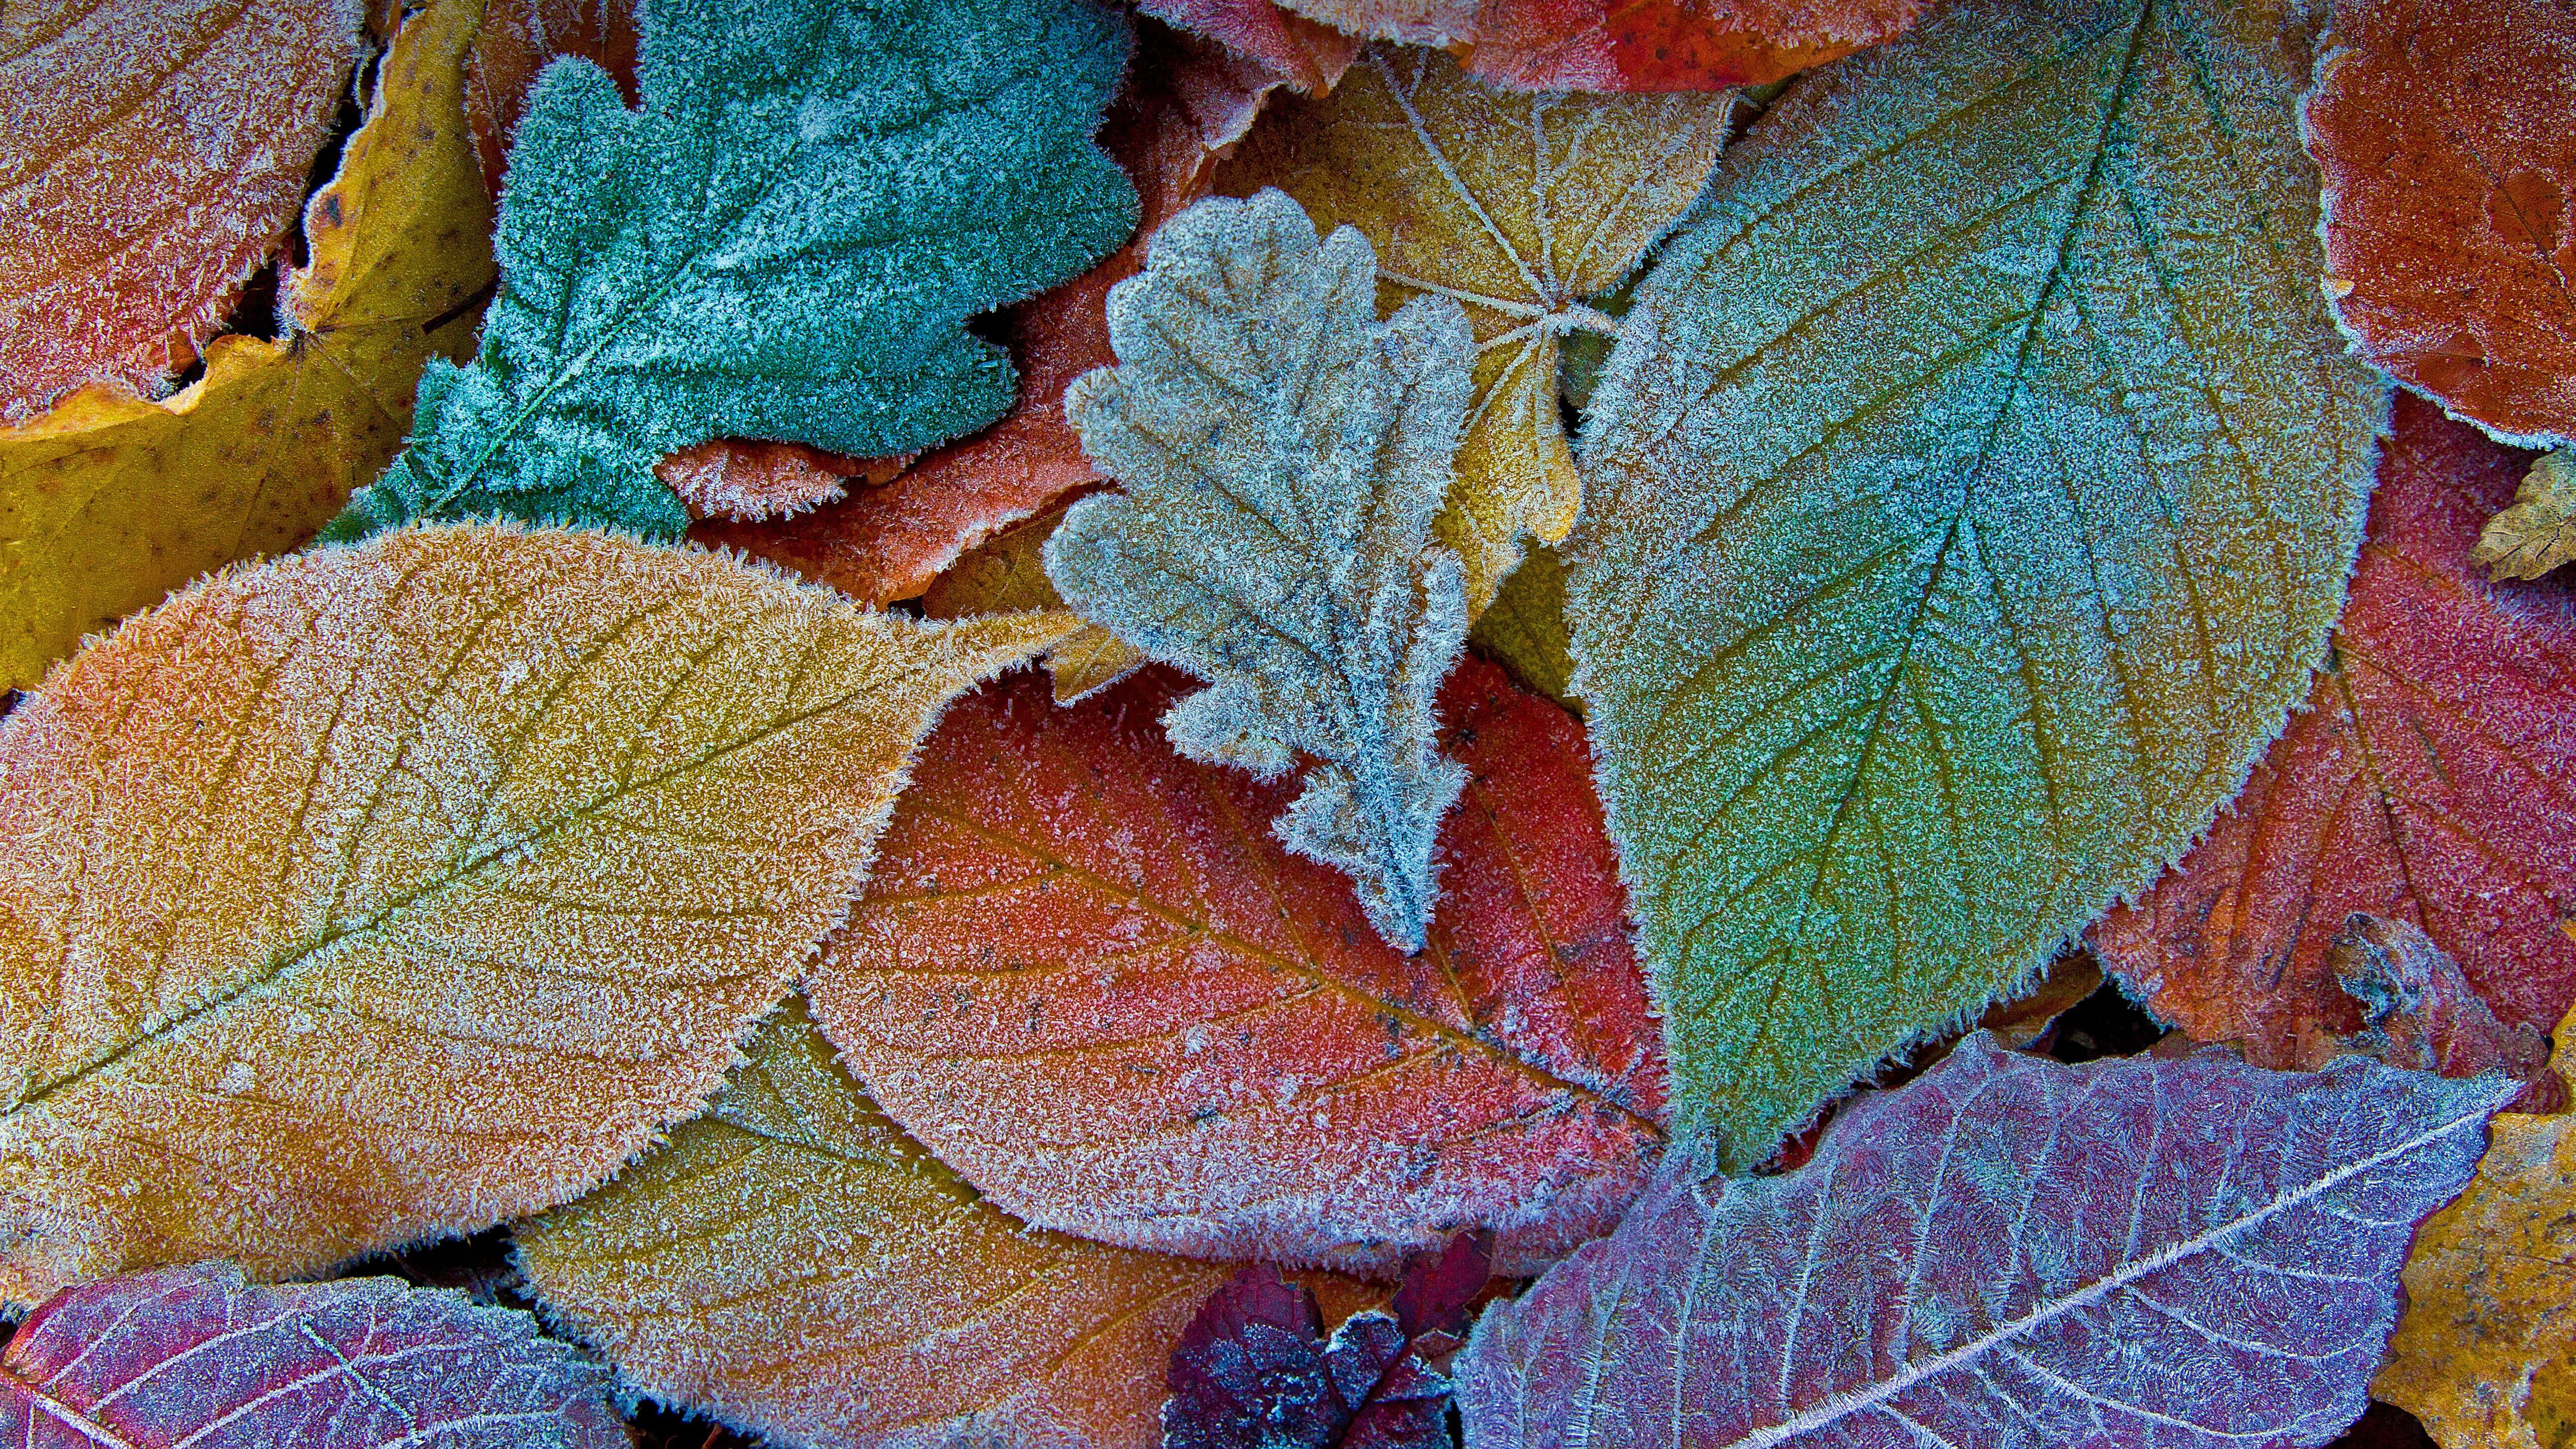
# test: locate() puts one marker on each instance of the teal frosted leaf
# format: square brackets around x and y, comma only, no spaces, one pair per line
[1967,502]
[784,242]
[1284,453]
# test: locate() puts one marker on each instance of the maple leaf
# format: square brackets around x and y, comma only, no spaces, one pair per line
[1284,453]
[153,156]
[1085,975]
[785,243]
[2448,163]
[195,1358]
[793,1265]
[1006,574]
[1519,207]
[1183,104]
[1966,503]
[379,892]
[2426,782]
[2008,1250]
[2537,531]
[1254,1371]
[110,501]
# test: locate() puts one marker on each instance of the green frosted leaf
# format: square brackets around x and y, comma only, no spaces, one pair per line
[1967,502]
[1283,454]
[784,242]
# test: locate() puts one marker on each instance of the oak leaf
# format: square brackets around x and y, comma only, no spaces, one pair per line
[2450,199]
[110,501]
[379,892]
[1007,573]
[195,1358]
[2006,1251]
[152,155]
[784,242]
[2428,781]
[1184,102]
[793,1265]
[1283,454]
[1087,977]
[1966,503]
[2537,531]
[1517,206]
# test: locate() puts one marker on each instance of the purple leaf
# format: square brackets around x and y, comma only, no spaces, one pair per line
[197,1357]
[2008,1251]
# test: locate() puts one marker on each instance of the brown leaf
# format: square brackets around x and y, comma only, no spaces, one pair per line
[2537,531]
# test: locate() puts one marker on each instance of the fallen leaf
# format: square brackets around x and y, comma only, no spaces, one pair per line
[785,242]
[1007,573]
[110,501]
[1966,504]
[152,155]
[2419,1012]
[381,892]
[2007,1251]
[195,1358]
[1524,629]
[793,1265]
[1283,453]
[749,482]
[2537,531]
[2428,781]
[1628,45]
[1085,974]
[2450,239]
[1517,206]
[2485,1356]
[514,42]
[1308,55]
[1253,1369]
[1184,103]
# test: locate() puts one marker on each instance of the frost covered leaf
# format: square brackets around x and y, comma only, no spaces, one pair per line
[195,1358]
[1967,501]
[1086,975]
[793,1265]
[514,42]
[1008,573]
[784,242]
[1283,454]
[1184,103]
[152,154]
[2450,193]
[2418,1011]
[110,501]
[1525,627]
[2006,1251]
[2431,780]
[2486,1354]
[751,482]
[2537,531]
[1309,55]
[1519,207]
[386,891]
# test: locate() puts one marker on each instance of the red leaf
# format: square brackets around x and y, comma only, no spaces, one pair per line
[2419,1012]
[2431,780]
[2006,1251]
[195,1357]
[516,40]
[1088,977]
[1311,56]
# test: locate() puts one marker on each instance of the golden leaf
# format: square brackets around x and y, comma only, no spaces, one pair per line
[110,501]
[2537,532]
[388,891]
[1008,572]
[1518,206]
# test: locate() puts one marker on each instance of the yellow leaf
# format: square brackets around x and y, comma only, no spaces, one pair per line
[1517,205]
[1525,628]
[109,501]
[2486,1354]
[796,1266]
[2537,532]
[388,891]
[1008,572]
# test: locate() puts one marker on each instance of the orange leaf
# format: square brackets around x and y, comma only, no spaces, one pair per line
[2431,780]
[516,39]
[1186,102]
[1087,975]
[152,154]
[2443,130]
[387,891]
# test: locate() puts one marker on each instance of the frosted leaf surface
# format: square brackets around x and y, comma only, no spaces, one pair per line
[513,42]
[2006,1253]
[1008,572]
[152,156]
[1967,501]
[387,891]
[1311,55]
[795,1266]
[1284,453]
[785,242]
[2537,531]
[195,1358]
[1086,975]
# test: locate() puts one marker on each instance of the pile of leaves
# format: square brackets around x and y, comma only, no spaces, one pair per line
[1253,725]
